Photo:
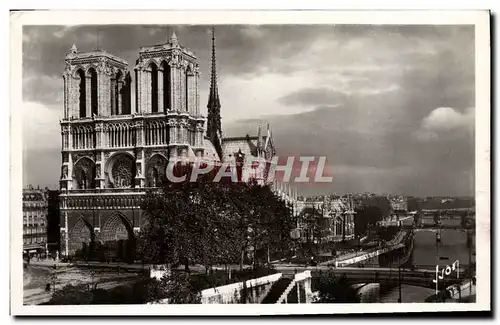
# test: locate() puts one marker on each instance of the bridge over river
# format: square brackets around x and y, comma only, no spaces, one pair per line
[395,251]
[438,228]
[421,277]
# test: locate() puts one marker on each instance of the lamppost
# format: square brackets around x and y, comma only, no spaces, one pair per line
[469,244]
[66,230]
[437,263]
[399,282]
[54,278]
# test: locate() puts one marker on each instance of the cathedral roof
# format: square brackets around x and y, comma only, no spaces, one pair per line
[210,151]
[33,195]
[247,145]
[74,55]
[171,43]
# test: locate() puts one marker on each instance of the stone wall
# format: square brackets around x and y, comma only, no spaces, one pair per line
[255,290]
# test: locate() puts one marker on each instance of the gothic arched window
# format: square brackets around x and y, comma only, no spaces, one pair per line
[339,227]
[186,92]
[83,180]
[83,98]
[84,173]
[118,94]
[154,88]
[154,177]
[125,92]
[93,91]
[166,86]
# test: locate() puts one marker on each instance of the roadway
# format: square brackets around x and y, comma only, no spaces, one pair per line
[347,259]
[419,277]
[433,227]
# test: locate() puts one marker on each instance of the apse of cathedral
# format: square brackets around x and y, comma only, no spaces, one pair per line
[113,151]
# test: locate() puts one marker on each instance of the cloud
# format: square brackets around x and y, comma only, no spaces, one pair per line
[43,89]
[313,96]
[371,149]
[445,121]
[332,97]
[253,31]
[41,144]
[447,118]
[62,31]
[41,128]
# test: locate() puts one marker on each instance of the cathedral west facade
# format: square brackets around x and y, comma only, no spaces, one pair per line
[113,151]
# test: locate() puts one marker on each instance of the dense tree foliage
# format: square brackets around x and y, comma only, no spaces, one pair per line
[140,292]
[213,223]
[335,288]
[175,288]
[386,233]
[366,216]
[432,203]
[72,295]
[111,251]
[315,225]
[380,202]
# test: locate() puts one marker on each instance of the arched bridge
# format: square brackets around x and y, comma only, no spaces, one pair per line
[436,228]
[388,276]
[450,211]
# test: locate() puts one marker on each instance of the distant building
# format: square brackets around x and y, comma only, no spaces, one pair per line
[341,211]
[399,203]
[333,214]
[53,222]
[35,210]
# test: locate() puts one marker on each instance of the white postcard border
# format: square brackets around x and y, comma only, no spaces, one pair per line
[435,17]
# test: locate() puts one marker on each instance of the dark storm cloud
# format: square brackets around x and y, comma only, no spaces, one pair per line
[362,160]
[313,96]
[366,96]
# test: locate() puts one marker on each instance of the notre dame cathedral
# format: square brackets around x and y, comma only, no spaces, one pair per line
[112,151]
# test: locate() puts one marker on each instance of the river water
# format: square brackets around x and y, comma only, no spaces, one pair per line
[427,254]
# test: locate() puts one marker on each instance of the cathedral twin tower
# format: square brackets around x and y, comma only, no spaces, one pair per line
[113,150]
[99,122]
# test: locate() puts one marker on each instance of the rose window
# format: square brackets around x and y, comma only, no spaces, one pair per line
[122,172]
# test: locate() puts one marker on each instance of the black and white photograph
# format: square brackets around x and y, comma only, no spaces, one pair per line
[189,159]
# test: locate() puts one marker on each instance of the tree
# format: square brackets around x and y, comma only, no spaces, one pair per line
[366,215]
[336,289]
[212,223]
[270,221]
[72,295]
[53,279]
[387,233]
[417,218]
[314,224]
[436,218]
[176,225]
[464,220]
[177,288]
[139,292]
[414,204]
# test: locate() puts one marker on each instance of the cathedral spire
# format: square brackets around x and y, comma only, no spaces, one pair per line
[173,39]
[214,129]
[259,138]
[213,99]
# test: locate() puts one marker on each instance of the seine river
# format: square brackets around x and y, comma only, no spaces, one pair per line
[453,245]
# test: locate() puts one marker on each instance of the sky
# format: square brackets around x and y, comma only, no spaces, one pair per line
[390,106]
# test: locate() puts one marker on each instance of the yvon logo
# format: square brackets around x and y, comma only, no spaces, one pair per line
[446,271]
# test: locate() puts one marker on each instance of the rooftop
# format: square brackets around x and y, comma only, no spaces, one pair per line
[171,43]
[74,55]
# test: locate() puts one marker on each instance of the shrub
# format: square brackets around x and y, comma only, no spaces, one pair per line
[72,295]
[336,289]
